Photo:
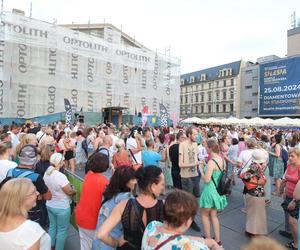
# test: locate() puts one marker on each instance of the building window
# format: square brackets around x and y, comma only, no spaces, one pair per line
[217,108]
[202,97]
[196,109]
[202,86]
[248,87]
[217,84]
[181,99]
[224,95]
[186,99]
[202,109]
[231,82]
[248,102]
[231,94]
[255,94]
[224,83]
[209,85]
[217,95]
[209,108]
[196,97]
[209,96]
[192,99]
[231,107]
[224,107]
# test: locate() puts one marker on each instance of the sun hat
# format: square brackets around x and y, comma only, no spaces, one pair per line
[259,156]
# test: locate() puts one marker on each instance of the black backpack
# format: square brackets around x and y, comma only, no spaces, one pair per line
[224,186]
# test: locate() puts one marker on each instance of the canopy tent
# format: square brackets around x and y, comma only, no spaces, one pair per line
[256,121]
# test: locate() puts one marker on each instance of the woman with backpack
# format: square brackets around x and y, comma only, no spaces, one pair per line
[254,181]
[210,200]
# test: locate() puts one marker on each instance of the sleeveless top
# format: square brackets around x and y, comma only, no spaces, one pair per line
[133,227]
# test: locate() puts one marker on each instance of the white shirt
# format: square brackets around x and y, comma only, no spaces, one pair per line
[245,157]
[202,153]
[40,135]
[14,139]
[6,165]
[232,135]
[24,236]
[131,144]
[55,181]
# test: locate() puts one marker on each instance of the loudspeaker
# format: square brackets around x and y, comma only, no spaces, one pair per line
[81,118]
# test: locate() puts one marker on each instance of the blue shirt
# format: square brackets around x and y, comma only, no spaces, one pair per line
[105,211]
[150,158]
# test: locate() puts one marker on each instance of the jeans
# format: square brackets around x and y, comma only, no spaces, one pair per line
[191,185]
[59,225]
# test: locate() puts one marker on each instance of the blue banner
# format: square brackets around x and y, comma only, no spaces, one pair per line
[280,88]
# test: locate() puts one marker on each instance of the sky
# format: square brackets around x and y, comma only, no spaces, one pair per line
[202,33]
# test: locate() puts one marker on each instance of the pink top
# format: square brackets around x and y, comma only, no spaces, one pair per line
[291,177]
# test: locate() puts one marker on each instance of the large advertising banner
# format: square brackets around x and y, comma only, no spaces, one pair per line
[280,88]
[41,64]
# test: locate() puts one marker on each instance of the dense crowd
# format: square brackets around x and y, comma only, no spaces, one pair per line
[141,188]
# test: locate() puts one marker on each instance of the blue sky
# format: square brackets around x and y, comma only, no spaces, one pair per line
[203,33]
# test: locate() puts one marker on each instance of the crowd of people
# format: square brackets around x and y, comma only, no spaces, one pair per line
[123,202]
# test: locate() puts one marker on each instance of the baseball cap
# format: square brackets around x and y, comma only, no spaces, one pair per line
[28,155]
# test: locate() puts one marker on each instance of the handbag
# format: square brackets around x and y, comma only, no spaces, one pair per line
[166,241]
[135,164]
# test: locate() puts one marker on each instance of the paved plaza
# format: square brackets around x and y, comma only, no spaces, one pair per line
[232,221]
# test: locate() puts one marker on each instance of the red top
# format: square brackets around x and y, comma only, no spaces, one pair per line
[291,177]
[86,213]
[121,159]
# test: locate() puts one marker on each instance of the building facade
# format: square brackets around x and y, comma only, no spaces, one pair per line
[212,92]
[98,68]
[293,41]
[249,90]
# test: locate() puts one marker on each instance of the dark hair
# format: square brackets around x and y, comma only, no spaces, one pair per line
[145,130]
[213,145]
[264,138]
[161,138]
[224,138]
[79,132]
[146,176]
[235,141]
[179,207]
[179,134]
[189,131]
[98,162]
[278,138]
[118,182]
[60,135]
[171,138]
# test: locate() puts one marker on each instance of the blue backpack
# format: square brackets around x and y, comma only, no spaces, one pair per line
[19,173]
[284,154]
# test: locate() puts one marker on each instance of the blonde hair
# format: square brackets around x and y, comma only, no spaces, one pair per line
[119,144]
[296,151]
[263,243]
[46,151]
[12,196]
[24,141]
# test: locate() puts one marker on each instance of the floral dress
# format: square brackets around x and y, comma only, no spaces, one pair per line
[153,236]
